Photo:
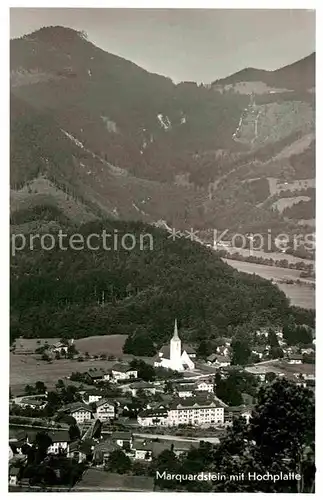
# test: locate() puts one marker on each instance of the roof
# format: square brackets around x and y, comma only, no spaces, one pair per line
[184,387]
[121,435]
[60,436]
[76,407]
[238,409]
[196,402]
[295,356]
[106,447]
[32,402]
[14,471]
[96,373]
[142,445]
[222,359]
[103,402]
[212,357]
[122,367]
[95,479]
[165,350]
[141,385]
[153,412]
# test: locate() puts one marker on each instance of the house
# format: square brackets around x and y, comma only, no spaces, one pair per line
[80,411]
[122,371]
[143,450]
[204,386]
[80,450]
[105,410]
[146,387]
[232,412]
[153,417]
[222,361]
[260,351]
[98,375]
[218,360]
[60,442]
[61,346]
[223,350]
[35,404]
[295,359]
[92,396]
[181,447]
[102,451]
[123,439]
[13,476]
[175,356]
[184,391]
[196,411]
[211,359]
[307,350]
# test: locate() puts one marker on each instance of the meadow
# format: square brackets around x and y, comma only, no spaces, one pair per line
[301,295]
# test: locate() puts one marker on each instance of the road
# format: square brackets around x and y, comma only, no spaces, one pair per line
[169,437]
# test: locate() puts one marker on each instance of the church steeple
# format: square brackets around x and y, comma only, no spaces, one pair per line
[175,336]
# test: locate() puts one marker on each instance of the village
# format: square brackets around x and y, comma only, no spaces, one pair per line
[106,421]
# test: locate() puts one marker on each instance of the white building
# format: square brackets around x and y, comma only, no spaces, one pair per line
[196,413]
[154,417]
[123,372]
[184,411]
[173,357]
[80,411]
[60,442]
[205,386]
[92,396]
[146,387]
[105,410]
[295,359]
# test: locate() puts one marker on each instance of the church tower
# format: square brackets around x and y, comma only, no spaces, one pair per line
[175,349]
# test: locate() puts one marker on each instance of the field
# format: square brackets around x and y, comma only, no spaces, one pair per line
[27,369]
[107,344]
[245,252]
[302,295]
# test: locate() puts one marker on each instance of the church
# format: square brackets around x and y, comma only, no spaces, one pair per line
[174,357]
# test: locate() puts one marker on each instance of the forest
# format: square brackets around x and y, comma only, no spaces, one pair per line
[139,292]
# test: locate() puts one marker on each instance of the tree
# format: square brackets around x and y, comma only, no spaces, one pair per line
[204,349]
[40,387]
[118,462]
[240,352]
[29,389]
[283,426]
[145,371]
[139,344]
[71,351]
[59,384]
[74,432]
[57,355]
[276,352]
[42,443]
[166,461]
[45,357]
[272,338]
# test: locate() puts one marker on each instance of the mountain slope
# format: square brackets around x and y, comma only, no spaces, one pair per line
[120,291]
[125,143]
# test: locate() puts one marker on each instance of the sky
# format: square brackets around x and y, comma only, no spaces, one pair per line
[186,44]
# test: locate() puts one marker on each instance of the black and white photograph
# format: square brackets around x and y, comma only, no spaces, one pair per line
[162,250]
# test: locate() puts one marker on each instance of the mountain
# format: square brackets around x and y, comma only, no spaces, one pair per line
[299,76]
[94,136]
[137,292]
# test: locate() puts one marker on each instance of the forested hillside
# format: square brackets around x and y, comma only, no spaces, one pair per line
[73,293]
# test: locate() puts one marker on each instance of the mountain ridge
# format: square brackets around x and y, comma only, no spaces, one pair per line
[115,134]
